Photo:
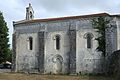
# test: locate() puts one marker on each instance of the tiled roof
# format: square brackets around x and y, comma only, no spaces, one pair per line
[61,18]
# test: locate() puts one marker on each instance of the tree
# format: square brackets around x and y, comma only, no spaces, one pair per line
[100,24]
[4,46]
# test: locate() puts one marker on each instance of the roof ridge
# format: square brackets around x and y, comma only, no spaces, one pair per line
[78,16]
[62,18]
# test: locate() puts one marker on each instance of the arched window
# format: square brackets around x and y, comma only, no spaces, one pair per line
[30,43]
[57,38]
[89,37]
[89,42]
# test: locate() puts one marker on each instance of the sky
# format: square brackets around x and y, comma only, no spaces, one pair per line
[15,10]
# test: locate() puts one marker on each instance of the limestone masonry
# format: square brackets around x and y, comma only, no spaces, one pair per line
[62,45]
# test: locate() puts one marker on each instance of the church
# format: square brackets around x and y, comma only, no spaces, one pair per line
[64,45]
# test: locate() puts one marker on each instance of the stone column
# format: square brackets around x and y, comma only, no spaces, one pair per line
[41,52]
[14,53]
[72,54]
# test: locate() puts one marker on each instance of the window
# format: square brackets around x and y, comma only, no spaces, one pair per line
[30,43]
[57,38]
[89,37]
[89,40]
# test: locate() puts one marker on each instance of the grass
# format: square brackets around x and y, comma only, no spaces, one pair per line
[19,76]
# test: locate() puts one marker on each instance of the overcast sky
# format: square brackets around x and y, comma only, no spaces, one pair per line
[14,10]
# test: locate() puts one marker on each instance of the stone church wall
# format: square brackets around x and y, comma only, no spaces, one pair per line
[112,42]
[73,55]
[26,60]
[87,60]
[51,53]
[60,45]
[111,37]
[118,33]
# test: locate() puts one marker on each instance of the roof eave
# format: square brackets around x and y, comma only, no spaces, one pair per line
[60,18]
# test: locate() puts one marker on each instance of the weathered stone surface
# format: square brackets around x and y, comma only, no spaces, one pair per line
[74,56]
[114,63]
[14,53]
[41,52]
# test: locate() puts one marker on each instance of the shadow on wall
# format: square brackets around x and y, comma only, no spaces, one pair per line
[114,66]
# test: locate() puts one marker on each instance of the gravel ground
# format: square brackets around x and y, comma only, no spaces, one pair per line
[19,76]
[5,70]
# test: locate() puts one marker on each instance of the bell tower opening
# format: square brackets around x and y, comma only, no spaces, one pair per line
[29,12]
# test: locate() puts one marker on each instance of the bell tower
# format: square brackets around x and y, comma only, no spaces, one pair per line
[29,12]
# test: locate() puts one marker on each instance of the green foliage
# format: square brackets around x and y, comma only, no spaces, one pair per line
[100,24]
[4,46]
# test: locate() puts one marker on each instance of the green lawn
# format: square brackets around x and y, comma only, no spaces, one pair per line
[19,76]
